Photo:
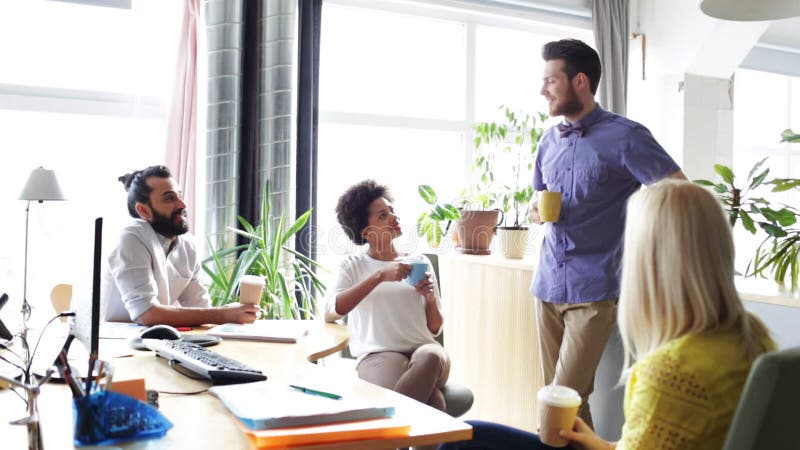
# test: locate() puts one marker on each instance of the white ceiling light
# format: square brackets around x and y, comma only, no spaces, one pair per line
[751,10]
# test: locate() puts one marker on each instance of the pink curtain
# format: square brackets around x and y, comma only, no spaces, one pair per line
[181,151]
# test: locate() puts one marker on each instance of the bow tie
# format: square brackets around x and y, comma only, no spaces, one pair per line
[566,128]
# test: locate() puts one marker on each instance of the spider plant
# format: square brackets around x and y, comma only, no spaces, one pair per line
[291,283]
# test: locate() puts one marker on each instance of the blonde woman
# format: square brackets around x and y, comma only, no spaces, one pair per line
[688,340]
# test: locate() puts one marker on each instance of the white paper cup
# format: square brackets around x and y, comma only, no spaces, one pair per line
[558,406]
[250,289]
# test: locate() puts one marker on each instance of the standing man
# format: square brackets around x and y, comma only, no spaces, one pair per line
[152,276]
[596,159]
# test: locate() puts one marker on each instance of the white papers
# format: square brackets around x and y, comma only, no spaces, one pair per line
[266,405]
[264,330]
[120,330]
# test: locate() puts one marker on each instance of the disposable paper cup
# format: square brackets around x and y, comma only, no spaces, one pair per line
[558,406]
[549,206]
[250,289]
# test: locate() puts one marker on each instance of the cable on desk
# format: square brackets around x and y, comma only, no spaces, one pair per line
[185,372]
[203,391]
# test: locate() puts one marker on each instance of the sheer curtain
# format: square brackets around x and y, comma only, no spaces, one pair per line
[181,149]
[610,23]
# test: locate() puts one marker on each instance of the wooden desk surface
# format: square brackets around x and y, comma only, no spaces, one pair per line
[202,422]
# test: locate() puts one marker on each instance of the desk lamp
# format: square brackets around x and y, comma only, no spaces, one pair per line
[42,186]
[749,10]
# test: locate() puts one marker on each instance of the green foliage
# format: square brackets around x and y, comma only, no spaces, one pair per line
[790,136]
[429,224]
[777,254]
[290,279]
[752,211]
[518,136]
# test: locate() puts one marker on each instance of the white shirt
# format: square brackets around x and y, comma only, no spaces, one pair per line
[390,318]
[147,269]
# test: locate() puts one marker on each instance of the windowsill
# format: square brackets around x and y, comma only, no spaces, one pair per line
[766,291]
[750,289]
[495,259]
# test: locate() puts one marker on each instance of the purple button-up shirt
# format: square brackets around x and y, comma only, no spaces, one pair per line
[595,173]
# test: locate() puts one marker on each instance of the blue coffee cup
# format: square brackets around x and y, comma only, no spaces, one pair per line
[417,273]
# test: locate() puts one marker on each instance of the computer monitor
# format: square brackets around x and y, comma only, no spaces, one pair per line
[85,325]
[4,333]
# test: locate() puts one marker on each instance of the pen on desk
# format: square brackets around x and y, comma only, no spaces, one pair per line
[316,392]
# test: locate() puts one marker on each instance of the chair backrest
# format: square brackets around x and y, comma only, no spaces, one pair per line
[434,258]
[769,408]
[61,297]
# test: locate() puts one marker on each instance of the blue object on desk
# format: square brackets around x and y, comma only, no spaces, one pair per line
[106,417]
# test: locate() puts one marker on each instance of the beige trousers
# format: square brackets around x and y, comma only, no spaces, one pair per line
[571,341]
[419,375]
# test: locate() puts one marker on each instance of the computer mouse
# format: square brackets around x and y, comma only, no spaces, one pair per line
[160,332]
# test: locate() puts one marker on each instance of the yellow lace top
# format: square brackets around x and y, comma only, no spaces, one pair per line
[683,395]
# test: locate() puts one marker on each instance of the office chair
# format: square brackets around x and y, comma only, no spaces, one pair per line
[458,399]
[767,413]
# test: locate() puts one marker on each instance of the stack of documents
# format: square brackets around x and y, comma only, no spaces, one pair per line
[323,434]
[278,415]
[264,330]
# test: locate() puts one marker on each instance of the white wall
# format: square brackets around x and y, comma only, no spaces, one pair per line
[687,63]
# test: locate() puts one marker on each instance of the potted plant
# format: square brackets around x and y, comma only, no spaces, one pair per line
[291,284]
[518,137]
[477,206]
[778,252]
[429,224]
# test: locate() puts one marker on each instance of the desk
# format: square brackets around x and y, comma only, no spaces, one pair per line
[202,422]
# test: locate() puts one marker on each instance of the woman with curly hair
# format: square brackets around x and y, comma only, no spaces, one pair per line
[392,324]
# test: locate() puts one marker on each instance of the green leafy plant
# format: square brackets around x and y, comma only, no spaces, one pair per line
[778,255]
[429,224]
[778,252]
[291,283]
[517,136]
[790,136]
[751,210]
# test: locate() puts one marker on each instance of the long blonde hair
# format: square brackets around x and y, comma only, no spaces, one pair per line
[677,272]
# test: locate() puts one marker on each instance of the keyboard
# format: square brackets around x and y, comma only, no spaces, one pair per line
[206,363]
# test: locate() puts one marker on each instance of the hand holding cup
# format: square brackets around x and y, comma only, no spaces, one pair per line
[549,206]
[558,407]
[251,287]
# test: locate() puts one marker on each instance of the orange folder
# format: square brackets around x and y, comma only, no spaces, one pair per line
[322,434]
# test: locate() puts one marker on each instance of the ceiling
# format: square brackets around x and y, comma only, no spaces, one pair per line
[784,32]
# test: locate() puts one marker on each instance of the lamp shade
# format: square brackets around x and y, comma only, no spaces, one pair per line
[750,10]
[42,185]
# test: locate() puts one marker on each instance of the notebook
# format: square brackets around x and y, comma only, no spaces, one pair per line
[267,405]
[324,434]
[264,330]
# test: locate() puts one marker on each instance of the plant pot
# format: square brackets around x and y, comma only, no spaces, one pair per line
[476,229]
[513,241]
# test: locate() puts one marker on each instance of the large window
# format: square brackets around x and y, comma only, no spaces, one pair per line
[765,105]
[400,90]
[83,91]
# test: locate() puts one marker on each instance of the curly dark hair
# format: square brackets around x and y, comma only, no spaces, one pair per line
[578,57]
[352,210]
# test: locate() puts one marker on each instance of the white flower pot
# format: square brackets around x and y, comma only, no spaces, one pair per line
[513,242]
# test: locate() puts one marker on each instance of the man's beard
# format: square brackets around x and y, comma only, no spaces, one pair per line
[166,226]
[570,105]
